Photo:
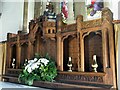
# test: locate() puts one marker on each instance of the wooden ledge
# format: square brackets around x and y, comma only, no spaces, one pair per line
[63,84]
[116,22]
[4,76]
[12,69]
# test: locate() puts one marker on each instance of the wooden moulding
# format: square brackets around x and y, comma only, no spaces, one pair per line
[116,22]
[13,72]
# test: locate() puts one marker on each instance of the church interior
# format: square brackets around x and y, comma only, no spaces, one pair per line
[81,37]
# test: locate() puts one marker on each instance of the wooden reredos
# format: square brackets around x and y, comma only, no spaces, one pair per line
[80,41]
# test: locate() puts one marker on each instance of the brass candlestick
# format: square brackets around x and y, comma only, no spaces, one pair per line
[13,63]
[70,64]
[94,65]
[26,62]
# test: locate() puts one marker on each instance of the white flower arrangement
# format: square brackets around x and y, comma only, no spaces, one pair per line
[38,69]
[35,63]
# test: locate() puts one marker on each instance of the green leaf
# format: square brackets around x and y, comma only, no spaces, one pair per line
[29,82]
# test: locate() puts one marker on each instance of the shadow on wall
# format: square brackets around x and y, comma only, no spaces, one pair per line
[119,10]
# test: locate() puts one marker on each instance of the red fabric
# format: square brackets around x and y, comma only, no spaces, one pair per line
[93,2]
[65,9]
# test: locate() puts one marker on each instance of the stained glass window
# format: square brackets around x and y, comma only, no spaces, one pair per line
[94,8]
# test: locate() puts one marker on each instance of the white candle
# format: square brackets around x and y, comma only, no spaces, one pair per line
[94,57]
[13,59]
[70,59]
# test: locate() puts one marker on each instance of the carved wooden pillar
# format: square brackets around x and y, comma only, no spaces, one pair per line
[82,52]
[105,49]
[18,53]
[107,22]
[59,44]
[79,20]
[8,57]
[61,56]
[59,53]
[79,53]
[112,54]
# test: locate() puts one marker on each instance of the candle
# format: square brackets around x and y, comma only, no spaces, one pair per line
[70,59]
[13,59]
[94,57]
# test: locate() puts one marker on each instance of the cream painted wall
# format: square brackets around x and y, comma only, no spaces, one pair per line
[2,58]
[0,19]
[114,9]
[118,62]
[11,18]
[113,5]
[119,10]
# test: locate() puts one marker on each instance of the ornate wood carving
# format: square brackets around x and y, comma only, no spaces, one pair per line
[96,32]
[24,37]
[13,39]
[13,72]
[90,24]
[67,35]
[48,24]
[80,77]
[67,28]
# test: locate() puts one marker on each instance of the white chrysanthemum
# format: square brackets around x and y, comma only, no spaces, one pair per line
[35,59]
[34,66]
[30,61]
[45,63]
[28,66]
[44,60]
[39,61]
[29,69]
